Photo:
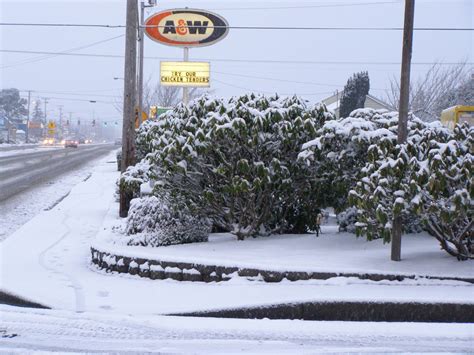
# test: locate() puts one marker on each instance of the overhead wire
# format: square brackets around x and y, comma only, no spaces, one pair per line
[53,55]
[283,80]
[306,6]
[230,60]
[285,28]
[271,92]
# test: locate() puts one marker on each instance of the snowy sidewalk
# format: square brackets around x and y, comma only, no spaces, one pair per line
[48,261]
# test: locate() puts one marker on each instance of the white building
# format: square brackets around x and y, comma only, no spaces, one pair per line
[333,103]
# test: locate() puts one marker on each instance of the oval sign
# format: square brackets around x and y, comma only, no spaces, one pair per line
[186,27]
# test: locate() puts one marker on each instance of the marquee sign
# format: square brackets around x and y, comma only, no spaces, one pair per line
[186,27]
[192,74]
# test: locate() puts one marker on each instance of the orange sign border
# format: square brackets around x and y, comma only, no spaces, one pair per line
[154,34]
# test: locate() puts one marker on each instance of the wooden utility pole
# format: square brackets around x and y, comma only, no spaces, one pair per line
[129,98]
[403,111]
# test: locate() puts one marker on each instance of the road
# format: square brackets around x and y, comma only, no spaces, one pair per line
[23,170]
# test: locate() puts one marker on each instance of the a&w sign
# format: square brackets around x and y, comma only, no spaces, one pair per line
[186,27]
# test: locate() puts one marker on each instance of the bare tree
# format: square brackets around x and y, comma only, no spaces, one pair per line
[430,94]
[164,96]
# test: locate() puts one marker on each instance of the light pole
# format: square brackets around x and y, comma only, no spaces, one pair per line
[141,39]
[27,133]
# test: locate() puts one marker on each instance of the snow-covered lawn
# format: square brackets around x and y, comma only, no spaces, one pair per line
[331,252]
[48,260]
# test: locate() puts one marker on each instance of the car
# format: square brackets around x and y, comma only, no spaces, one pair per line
[118,141]
[71,143]
[49,141]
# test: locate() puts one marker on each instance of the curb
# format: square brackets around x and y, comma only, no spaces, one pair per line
[183,271]
[351,311]
[13,300]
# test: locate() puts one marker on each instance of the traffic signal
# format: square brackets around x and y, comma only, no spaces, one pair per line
[67,122]
[78,122]
[93,123]
[105,124]
[153,111]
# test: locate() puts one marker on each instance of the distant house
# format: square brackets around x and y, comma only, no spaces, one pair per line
[332,103]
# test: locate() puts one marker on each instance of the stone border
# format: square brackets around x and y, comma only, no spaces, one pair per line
[183,271]
[14,300]
[350,311]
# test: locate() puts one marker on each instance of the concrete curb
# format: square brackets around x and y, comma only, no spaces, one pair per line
[13,300]
[351,311]
[182,271]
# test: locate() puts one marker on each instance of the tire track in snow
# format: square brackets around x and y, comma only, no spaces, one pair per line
[78,293]
[75,284]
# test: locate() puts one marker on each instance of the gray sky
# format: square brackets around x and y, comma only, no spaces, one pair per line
[75,78]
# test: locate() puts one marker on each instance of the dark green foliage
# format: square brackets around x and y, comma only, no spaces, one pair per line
[12,104]
[355,91]
[236,161]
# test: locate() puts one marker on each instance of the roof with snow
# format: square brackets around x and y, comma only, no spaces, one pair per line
[333,103]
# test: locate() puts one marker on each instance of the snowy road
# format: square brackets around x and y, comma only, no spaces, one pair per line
[23,330]
[22,171]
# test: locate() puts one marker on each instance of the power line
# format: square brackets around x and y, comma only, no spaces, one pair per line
[69,93]
[59,25]
[283,80]
[76,99]
[272,92]
[305,6]
[263,61]
[291,28]
[53,55]
[284,28]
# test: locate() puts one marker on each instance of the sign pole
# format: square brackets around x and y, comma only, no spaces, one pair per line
[140,63]
[185,89]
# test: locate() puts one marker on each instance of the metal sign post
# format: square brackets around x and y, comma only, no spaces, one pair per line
[185,88]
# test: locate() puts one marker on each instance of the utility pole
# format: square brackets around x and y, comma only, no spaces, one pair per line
[45,103]
[129,98]
[27,133]
[60,120]
[403,111]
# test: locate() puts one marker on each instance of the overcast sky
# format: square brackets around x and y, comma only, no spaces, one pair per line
[267,61]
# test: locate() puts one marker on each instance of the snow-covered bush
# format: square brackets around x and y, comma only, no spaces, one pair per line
[132,178]
[236,161]
[152,222]
[347,220]
[430,176]
[340,151]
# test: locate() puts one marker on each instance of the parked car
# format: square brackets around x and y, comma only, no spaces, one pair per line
[72,143]
[118,141]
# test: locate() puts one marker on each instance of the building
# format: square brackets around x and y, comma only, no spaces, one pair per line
[332,103]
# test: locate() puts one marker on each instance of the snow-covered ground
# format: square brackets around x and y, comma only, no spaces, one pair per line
[26,331]
[48,260]
[331,252]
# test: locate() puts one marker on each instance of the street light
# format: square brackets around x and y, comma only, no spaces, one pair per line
[117,78]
